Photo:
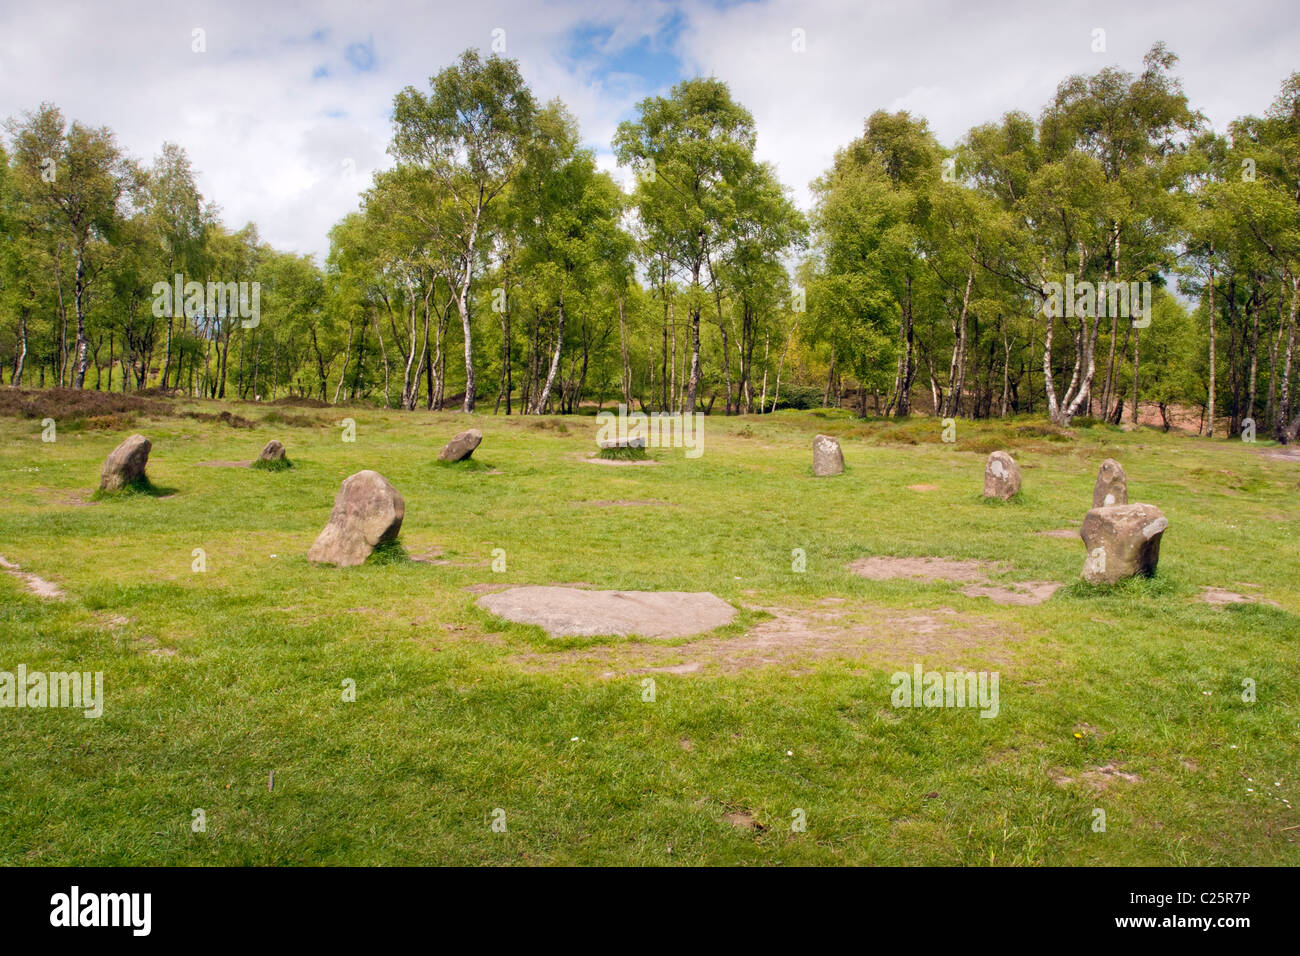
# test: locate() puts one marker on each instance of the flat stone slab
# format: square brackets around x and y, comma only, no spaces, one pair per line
[572,612]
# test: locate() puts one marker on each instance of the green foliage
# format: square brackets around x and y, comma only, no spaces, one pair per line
[922,287]
[800,397]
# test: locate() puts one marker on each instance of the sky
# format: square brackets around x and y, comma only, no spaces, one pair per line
[285,107]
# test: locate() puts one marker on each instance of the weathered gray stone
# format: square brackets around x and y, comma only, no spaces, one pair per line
[125,464]
[573,612]
[637,442]
[1001,476]
[274,451]
[462,446]
[1122,541]
[828,458]
[367,512]
[1112,485]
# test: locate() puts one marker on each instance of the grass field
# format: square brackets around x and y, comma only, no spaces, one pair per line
[1128,700]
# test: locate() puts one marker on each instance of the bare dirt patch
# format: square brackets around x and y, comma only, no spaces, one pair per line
[571,612]
[619,462]
[432,555]
[878,568]
[484,587]
[922,487]
[436,556]
[1018,593]
[79,498]
[974,574]
[1069,534]
[1220,597]
[150,645]
[677,669]
[1289,453]
[743,820]
[33,582]
[1096,779]
[863,635]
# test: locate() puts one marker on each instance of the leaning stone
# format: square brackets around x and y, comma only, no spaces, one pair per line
[1001,476]
[1112,485]
[462,446]
[828,459]
[623,450]
[274,451]
[1122,541]
[367,512]
[125,464]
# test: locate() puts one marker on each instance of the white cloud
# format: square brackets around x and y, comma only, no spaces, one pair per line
[273,145]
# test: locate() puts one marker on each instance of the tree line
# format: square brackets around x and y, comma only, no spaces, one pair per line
[494,263]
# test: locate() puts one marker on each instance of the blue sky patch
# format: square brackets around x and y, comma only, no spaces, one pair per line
[648,64]
[361,56]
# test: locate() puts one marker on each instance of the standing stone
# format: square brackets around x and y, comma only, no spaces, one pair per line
[1112,485]
[1122,541]
[828,459]
[1001,476]
[462,446]
[274,451]
[367,512]
[125,464]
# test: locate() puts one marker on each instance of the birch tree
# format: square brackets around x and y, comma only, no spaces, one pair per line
[468,135]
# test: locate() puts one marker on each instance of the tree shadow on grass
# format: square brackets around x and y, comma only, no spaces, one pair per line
[1017,500]
[465,464]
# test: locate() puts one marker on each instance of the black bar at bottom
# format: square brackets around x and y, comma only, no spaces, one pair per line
[334,906]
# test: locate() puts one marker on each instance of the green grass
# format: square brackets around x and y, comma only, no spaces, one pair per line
[623,453]
[271,464]
[214,679]
[140,487]
[388,552]
[464,464]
